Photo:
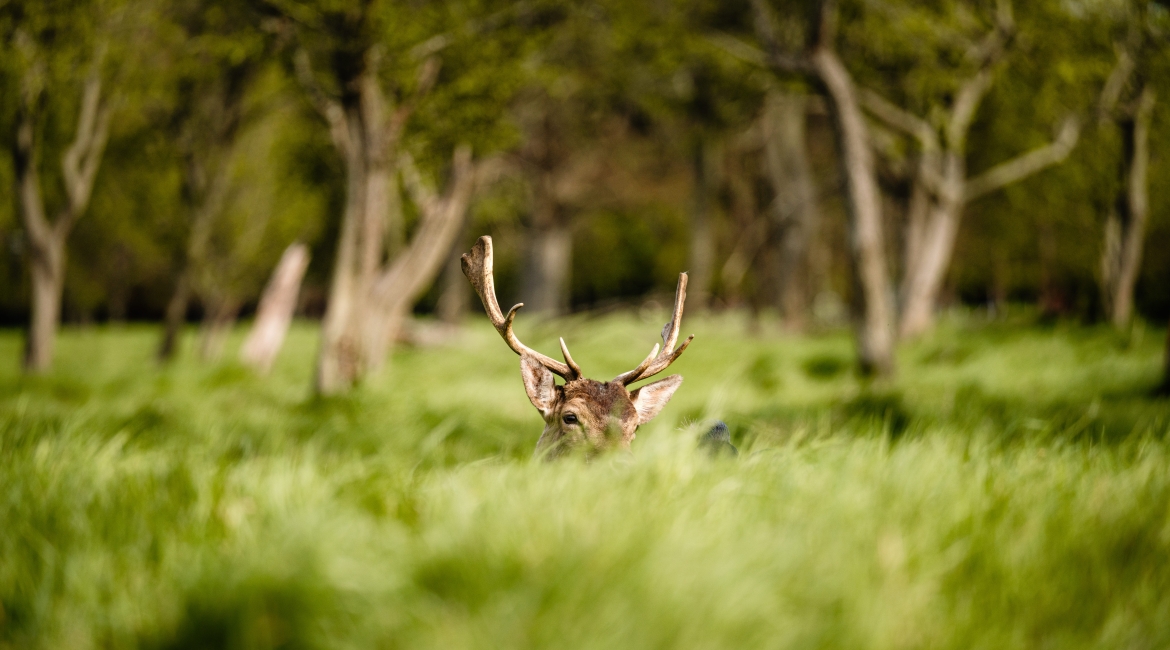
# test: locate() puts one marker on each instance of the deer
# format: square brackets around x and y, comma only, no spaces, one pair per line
[582,415]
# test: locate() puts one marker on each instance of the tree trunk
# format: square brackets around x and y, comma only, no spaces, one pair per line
[924,279]
[79,166]
[550,253]
[48,275]
[118,295]
[875,329]
[1125,229]
[339,358]
[366,301]
[176,316]
[1051,299]
[455,297]
[914,235]
[275,312]
[794,212]
[751,230]
[218,320]
[704,165]
[397,289]
[204,198]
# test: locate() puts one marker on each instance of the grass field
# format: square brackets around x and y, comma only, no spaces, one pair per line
[1011,489]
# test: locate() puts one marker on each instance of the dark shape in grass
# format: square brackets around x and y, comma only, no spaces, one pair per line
[152,423]
[259,611]
[886,409]
[824,367]
[717,442]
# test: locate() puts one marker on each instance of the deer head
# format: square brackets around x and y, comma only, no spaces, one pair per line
[582,414]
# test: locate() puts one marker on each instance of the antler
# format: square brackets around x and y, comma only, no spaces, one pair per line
[656,362]
[477,266]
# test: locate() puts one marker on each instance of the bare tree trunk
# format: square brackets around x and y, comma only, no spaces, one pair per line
[751,231]
[704,163]
[794,212]
[118,295]
[79,166]
[176,315]
[942,190]
[275,312]
[217,324]
[48,274]
[339,359]
[1125,229]
[364,297]
[1051,300]
[917,210]
[455,297]
[550,253]
[933,257]
[875,329]
[397,289]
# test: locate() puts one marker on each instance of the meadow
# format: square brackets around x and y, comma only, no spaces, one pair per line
[1009,489]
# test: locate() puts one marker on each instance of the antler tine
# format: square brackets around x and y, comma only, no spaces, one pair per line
[569,359]
[477,266]
[627,378]
[658,361]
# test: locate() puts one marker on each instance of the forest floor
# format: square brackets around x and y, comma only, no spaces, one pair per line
[1009,489]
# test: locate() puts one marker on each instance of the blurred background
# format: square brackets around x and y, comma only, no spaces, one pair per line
[926,244]
[871,162]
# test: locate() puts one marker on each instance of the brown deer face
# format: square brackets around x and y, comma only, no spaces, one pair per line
[582,414]
[588,415]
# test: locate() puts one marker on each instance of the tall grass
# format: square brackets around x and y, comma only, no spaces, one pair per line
[1011,489]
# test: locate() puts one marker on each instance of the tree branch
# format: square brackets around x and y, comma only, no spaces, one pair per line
[985,55]
[441,219]
[739,49]
[826,25]
[899,119]
[420,191]
[79,163]
[967,101]
[991,48]
[1027,164]
[1118,77]
[427,75]
[329,108]
[25,149]
[766,30]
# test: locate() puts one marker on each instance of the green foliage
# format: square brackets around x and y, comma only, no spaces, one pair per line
[1024,502]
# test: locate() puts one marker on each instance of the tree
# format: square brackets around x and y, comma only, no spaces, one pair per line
[820,63]
[942,186]
[58,74]
[220,52]
[346,57]
[1127,101]
[275,312]
[794,212]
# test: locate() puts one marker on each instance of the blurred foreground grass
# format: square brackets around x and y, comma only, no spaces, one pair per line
[1010,490]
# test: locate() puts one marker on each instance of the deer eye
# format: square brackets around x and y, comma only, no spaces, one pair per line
[569,418]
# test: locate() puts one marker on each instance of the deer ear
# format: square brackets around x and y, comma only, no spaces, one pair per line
[538,383]
[649,399]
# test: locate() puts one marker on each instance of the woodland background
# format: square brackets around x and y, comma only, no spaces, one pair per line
[974,154]
[926,245]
